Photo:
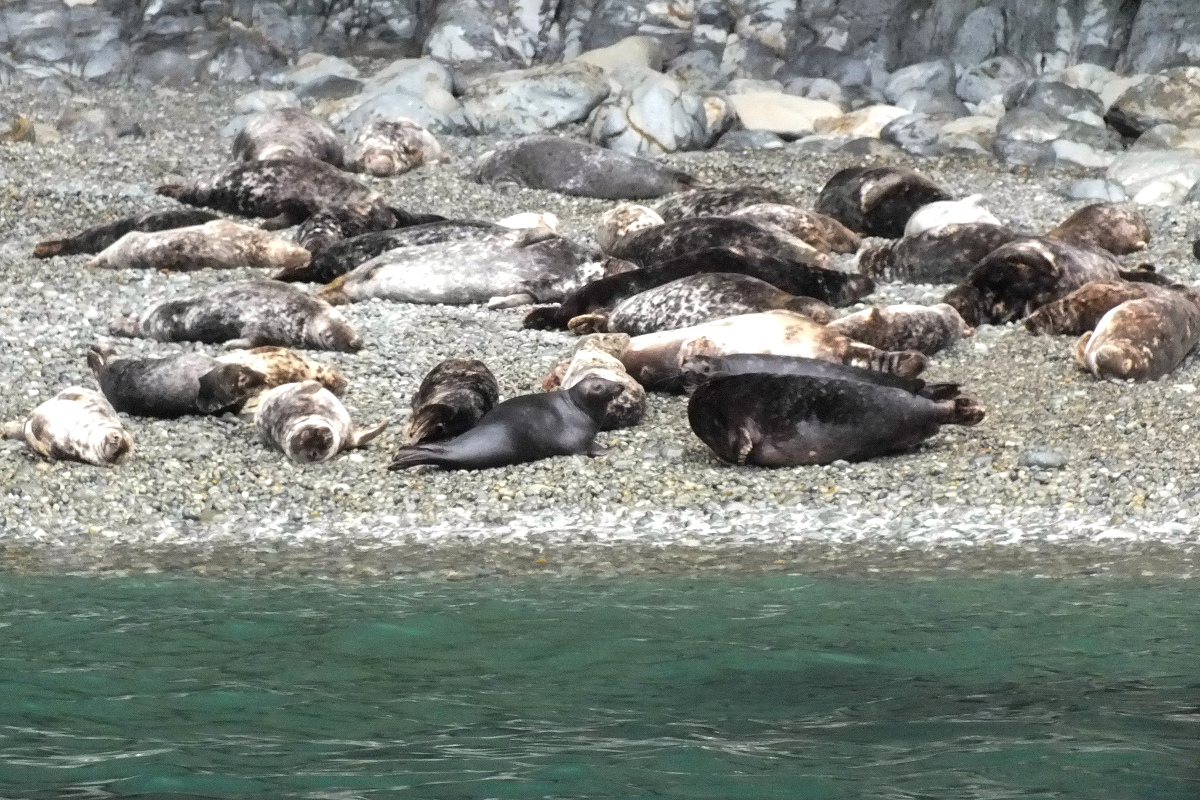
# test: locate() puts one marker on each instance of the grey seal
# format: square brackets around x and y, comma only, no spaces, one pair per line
[712,201]
[941,255]
[76,424]
[907,326]
[654,245]
[308,424]
[877,201]
[700,368]
[98,237]
[598,356]
[453,397]
[288,133]
[385,147]
[219,244]
[280,365]
[1119,229]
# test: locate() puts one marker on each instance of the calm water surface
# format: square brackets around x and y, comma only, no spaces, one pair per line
[787,687]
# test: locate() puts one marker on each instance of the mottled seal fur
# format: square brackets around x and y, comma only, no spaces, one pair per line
[795,420]
[660,243]
[1082,309]
[877,201]
[245,314]
[219,244]
[307,423]
[569,167]
[942,255]
[622,220]
[949,212]
[98,237]
[714,201]
[76,424]
[697,369]
[598,357]
[391,146]
[288,133]
[526,428]
[823,233]
[1141,340]
[926,329]
[280,365]
[1119,229]
[450,400]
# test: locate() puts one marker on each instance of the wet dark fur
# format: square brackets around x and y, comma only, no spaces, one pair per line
[714,201]
[334,223]
[941,255]
[660,243]
[877,201]
[698,369]
[451,399]
[172,386]
[304,136]
[98,237]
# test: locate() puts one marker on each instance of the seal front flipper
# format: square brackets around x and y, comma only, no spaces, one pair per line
[597,450]
[13,430]
[543,318]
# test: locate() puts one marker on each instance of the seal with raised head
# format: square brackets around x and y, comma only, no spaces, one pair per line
[450,400]
[576,168]
[796,420]
[877,201]
[245,314]
[76,424]
[1143,339]
[660,243]
[824,233]
[98,237]
[1119,229]
[385,147]
[280,365]
[926,329]
[287,133]
[219,244]
[948,212]
[598,356]
[307,423]
[526,428]
[715,201]
[698,368]
[1081,310]
[942,255]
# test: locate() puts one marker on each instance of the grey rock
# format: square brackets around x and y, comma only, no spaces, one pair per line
[1169,97]
[392,106]
[697,70]
[1032,125]
[533,100]
[1096,189]
[1165,33]
[941,104]
[991,77]
[479,34]
[749,140]
[1161,177]
[411,76]
[916,134]
[1021,152]
[310,67]
[1056,98]
[824,62]
[329,87]
[929,76]
[1042,458]
[653,115]
[815,89]
[980,36]
[262,100]
[168,67]
[817,144]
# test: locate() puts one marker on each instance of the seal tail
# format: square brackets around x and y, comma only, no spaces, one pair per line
[961,411]
[51,247]
[416,456]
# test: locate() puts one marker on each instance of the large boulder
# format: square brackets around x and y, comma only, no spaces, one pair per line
[782,114]
[1169,97]
[518,102]
[991,77]
[652,114]
[1156,177]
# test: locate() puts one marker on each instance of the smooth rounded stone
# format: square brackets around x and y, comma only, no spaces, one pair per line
[414,76]
[1034,125]
[261,100]
[1056,98]
[1096,189]
[632,51]
[534,100]
[1169,137]
[980,35]
[1193,196]
[168,67]
[961,145]
[1156,177]
[697,70]
[981,129]
[311,66]
[780,113]
[749,140]
[395,106]
[816,89]
[1042,458]
[1020,152]
[928,76]
[857,97]
[869,121]
[655,115]
[939,104]
[1172,96]
[747,85]
[913,133]
[868,147]
[329,87]
[87,123]
[990,77]
[1082,155]
[817,144]
[825,62]
[1092,77]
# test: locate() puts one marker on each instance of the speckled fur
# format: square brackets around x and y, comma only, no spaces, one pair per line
[450,400]
[219,244]
[280,365]
[943,255]
[622,220]
[308,424]
[877,201]
[926,329]
[1082,309]
[821,232]
[385,147]
[714,201]
[1119,229]
[98,237]
[1141,339]
[674,239]
[76,424]
[287,133]
[595,358]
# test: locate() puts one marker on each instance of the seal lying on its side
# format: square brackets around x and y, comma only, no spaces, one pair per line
[245,314]
[942,255]
[906,326]
[698,369]
[287,133]
[308,424]
[1082,309]
[622,220]
[526,428]
[598,356]
[824,233]
[715,201]
[877,201]
[948,212]
[385,147]
[795,420]
[98,237]
[280,365]
[1120,230]
[450,400]
[660,243]
[219,244]
[76,424]
[577,168]
[1141,339]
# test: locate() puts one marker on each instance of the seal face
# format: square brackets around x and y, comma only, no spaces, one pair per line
[670,240]
[98,237]
[1119,229]
[385,147]
[308,424]
[219,244]
[280,365]
[172,386]
[1142,339]
[597,357]
[76,424]
[795,420]
[526,428]
[450,400]
[877,201]
[824,233]
[927,329]
[942,255]
[949,212]
[287,133]
[1081,310]
[717,201]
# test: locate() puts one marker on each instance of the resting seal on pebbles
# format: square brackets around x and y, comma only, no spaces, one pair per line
[451,399]
[926,329]
[385,147]
[824,233]
[98,237]
[1141,340]
[598,357]
[713,201]
[308,424]
[659,243]
[280,365]
[172,386]
[877,201]
[942,255]
[287,133]
[1081,310]
[622,220]
[948,212]
[219,244]
[698,369]
[76,424]
[1119,229]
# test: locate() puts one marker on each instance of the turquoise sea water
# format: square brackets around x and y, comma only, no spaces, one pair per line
[787,687]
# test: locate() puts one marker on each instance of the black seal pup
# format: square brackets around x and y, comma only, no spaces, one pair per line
[577,168]
[526,428]
[714,201]
[1119,229]
[699,368]
[907,326]
[450,400]
[219,244]
[76,424]
[98,237]
[385,147]
[245,314]
[1141,340]
[287,133]
[796,420]
[654,245]
[598,356]
[307,423]
[942,255]
[877,201]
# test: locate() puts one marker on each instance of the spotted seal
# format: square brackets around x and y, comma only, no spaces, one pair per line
[926,329]
[280,365]
[219,244]
[823,233]
[1082,309]
[700,368]
[654,245]
[98,237]
[877,201]
[308,424]
[622,220]
[76,424]
[393,146]
[1119,229]
[453,397]
[287,133]
[1142,339]
[942,255]
[598,356]
[716,201]
[949,212]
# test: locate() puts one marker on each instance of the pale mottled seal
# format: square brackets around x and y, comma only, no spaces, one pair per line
[698,369]
[576,168]
[245,314]
[660,243]
[307,423]
[824,233]
[526,428]
[1141,340]
[948,212]
[877,201]
[391,146]
[926,329]
[942,255]
[622,220]
[1082,309]
[795,420]
[98,237]
[280,365]
[598,357]
[76,424]
[287,133]
[1116,228]
[714,201]
[219,244]
[450,400]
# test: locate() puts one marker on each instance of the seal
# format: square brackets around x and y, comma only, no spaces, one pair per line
[1141,340]
[98,237]
[280,365]
[172,386]
[384,147]
[1196,249]
[576,168]
[926,329]
[307,423]
[287,133]
[715,201]
[245,314]
[622,220]
[823,233]
[942,255]
[948,212]
[698,369]
[450,400]
[219,244]
[877,201]
[798,420]
[598,356]
[76,424]
[1081,310]
[526,428]
[530,219]
[656,360]
[670,240]
[1119,229]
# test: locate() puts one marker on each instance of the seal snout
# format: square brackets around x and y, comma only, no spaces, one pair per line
[115,447]
[313,442]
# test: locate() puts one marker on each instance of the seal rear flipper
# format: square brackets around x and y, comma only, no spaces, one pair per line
[51,247]
[176,191]
[13,430]
[296,273]
[1081,350]
[544,318]
[961,411]
[585,324]
[361,438]
[743,442]
[334,293]
[1144,273]
[128,327]
[417,456]
[905,363]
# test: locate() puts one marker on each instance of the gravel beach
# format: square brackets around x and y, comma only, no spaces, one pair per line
[1066,474]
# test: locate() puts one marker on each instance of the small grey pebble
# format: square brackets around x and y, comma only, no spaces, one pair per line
[1042,457]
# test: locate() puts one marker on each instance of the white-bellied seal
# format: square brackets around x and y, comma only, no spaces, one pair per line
[307,423]
[566,166]
[942,255]
[1141,340]
[598,356]
[280,365]
[76,424]
[823,233]
[1082,309]
[906,326]
[948,212]
[288,133]
[622,220]
[450,400]
[877,201]
[98,237]
[654,245]
[710,201]
[219,244]
[1119,229]
[385,147]
[172,386]
[697,369]
[526,428]
[796,420]
[245,314]
[516,267]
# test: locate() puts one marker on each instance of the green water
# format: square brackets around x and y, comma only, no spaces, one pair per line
[761,688]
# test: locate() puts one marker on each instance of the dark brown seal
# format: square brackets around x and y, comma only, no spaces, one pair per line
[1082,309]
[1143,339]
[98,237]
[654,245]
[945,254]
[1116,228]
[450,400]
[877,201]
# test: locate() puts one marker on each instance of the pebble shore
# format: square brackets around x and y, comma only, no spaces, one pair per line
[1066,474]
